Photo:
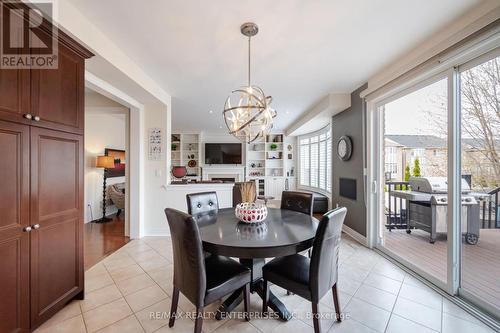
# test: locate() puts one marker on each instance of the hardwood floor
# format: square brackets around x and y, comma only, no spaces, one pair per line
[103,239]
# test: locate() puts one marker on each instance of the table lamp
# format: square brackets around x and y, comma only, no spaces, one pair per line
[106,162]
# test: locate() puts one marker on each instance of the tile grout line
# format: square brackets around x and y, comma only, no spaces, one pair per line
[394,305]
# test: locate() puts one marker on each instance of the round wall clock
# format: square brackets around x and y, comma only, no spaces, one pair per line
[344,148]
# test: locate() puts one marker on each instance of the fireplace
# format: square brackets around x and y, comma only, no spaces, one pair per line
[224,179]
[225,174]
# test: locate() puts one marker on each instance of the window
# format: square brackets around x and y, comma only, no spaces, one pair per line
[316,160]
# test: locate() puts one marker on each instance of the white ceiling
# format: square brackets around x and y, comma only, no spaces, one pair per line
[304,50]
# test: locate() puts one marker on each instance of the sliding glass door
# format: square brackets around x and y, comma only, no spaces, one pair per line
[480,167]
[435,165]
[415,136]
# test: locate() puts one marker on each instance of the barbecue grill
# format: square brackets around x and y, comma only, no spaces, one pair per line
[428,208]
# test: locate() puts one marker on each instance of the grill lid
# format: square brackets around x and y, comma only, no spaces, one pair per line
[434,184]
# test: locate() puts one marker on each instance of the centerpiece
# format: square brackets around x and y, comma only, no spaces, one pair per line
[251,212]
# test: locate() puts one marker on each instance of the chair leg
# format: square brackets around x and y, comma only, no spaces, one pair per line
[246,301]
[265,299]
[316,322]
[118,212]
[173,309]
[336,302]
[199,320]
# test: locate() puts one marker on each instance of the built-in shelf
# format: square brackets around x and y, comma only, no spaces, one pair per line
[187,145]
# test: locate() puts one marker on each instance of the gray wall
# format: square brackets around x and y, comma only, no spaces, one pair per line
[350,122]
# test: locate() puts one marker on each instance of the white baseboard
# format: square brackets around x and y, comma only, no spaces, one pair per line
[356,235]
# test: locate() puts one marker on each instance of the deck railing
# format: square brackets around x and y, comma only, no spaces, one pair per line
[490,210]
[395,207]
[397,217]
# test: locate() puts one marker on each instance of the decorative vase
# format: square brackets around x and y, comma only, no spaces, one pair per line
[251,212]
[179,171]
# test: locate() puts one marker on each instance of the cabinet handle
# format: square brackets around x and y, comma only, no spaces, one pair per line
[28,116]
[36,118]
[35,226]
[27,229]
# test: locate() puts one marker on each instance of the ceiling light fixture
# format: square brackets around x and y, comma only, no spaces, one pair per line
[251,117]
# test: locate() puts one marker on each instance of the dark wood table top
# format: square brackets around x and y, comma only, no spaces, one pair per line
[284,232]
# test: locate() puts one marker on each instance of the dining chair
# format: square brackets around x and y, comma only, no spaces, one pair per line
[311,278]
[301,202]
[202,280]
[203,207]
[244,192]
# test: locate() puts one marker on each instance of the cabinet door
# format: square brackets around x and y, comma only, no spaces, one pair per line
[58,94]
[14,217]
[14,95]
[56,206]
[274,187]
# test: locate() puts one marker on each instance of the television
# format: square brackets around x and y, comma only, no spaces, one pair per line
[222,153]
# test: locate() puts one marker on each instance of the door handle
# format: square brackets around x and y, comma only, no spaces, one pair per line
[27,229]
[35,226]
[36,118]
[28,116]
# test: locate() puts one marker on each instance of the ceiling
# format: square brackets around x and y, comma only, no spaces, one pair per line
[304,50]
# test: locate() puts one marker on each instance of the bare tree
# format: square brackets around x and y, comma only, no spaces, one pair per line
[480,102]
[480,108]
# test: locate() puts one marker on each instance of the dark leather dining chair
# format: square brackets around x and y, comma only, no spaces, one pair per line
[200,203]
[203,207]
[311,278]
[202,280]
[301,202]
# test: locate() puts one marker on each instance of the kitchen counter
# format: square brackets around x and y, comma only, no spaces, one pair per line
[176,193]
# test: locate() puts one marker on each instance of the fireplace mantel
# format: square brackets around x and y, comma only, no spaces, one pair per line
[236,172]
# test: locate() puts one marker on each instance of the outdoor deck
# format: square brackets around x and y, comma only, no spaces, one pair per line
[481,262]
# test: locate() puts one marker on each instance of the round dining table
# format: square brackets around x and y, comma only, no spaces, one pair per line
[282,233]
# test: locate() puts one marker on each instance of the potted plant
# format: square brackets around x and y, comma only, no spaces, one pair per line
[274,146]
[173,146]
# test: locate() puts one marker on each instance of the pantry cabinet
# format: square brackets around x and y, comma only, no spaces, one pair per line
[41,192]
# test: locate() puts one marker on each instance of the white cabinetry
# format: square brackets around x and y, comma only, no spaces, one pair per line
[274,186]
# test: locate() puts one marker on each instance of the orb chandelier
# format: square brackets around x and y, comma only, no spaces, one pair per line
[247,110]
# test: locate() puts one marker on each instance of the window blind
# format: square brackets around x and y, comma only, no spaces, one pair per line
[315,160]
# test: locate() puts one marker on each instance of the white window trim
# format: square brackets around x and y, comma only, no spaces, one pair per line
[312,188]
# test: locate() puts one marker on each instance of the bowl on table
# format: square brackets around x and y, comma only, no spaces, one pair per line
[251,212]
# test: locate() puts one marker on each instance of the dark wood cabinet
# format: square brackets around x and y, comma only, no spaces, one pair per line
[41,188]
[56,211]
[14,217]
[14,95]
[57,96]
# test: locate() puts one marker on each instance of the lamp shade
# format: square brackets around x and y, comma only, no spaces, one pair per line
[107,162]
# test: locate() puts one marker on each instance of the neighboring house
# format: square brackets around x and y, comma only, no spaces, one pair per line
[402,150]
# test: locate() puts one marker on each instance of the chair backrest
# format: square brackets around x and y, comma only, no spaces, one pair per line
[201,203]
[297,201]
[325,254]
[244,192]
[189,260]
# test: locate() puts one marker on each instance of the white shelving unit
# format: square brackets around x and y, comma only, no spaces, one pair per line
[187,148]
[268,163]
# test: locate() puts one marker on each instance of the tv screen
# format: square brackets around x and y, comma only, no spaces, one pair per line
[222,153]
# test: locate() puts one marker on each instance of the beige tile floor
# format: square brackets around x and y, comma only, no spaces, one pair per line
[126,288]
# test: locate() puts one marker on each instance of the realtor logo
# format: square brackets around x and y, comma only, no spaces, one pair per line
[28,39]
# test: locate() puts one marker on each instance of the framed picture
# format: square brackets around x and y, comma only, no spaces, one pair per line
[120,162]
